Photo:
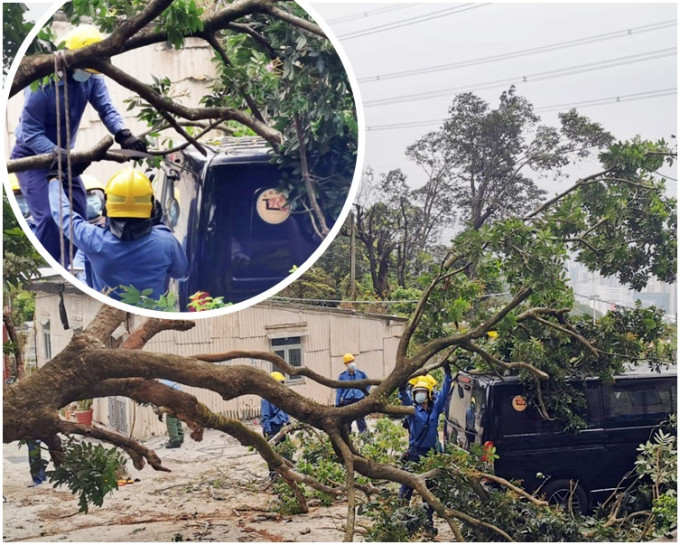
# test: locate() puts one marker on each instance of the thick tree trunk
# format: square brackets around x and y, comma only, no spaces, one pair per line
[16,346]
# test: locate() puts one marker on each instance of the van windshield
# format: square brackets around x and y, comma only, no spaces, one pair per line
[466,411]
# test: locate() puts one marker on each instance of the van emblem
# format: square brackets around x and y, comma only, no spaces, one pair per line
[519,403]
[272,206]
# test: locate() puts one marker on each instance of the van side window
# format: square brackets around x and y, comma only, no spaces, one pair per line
[630,403]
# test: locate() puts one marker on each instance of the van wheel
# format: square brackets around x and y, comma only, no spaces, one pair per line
[561,491]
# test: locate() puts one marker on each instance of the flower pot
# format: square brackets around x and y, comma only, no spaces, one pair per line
[84,417]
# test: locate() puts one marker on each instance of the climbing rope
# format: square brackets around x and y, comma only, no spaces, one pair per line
[60,62]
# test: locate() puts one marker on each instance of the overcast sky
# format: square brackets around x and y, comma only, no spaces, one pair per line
[400,52]
[383,40]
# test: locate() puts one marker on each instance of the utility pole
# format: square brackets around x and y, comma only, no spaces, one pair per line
[352,258]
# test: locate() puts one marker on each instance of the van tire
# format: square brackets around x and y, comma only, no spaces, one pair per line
[558,492]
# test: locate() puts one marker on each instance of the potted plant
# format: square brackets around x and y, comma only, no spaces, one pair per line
[83,413]
[68,411]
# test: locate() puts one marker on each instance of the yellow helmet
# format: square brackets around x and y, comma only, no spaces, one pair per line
[348,358]
[278,376]
[427,378]
[129,195]
[91,182]
[423,384]
[15,182]
[82,36]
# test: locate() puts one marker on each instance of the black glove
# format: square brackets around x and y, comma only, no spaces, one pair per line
[127,140]
[447,368]
[59,155]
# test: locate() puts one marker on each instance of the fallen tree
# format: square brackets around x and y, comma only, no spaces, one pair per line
[618,221]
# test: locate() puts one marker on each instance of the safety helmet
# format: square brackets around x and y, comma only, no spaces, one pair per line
[348,358]
[492,334]
[278,376]
[129,195]
[15,182]
[95,196]
[428,378]
[423,384]
[91,183]
[82,36]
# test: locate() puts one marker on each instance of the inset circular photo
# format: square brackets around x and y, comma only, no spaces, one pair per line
[181,156]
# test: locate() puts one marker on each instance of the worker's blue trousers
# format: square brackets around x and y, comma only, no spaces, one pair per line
[33,184]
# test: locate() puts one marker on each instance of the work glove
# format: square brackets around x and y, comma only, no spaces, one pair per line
[127,140]
[59,155]
[447,368]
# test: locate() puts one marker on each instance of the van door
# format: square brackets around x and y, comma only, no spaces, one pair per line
[252,238]
[633,408]
[528,445]
[466,415]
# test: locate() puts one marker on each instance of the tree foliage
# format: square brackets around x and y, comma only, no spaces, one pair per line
[491,158]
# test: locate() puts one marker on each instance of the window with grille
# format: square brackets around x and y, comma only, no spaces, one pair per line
[290,349]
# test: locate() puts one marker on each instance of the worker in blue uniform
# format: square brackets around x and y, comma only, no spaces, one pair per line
[273,418]
[423,436]
[130,250]
[349,395]
[37,134]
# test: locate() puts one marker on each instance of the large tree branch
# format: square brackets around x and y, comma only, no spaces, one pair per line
[282,364]
[437,345]
[105,323]
[100,152]
[137,452]
[307,178]
[468,345]
[35,67]
[151,327]
[192,114]
[594,178]
[16,348]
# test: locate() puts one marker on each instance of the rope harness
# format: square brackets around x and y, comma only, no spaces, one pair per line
[61,64]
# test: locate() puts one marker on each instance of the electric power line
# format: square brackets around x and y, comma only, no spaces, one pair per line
[609,302]
[410,21]
[586,103]
[537,76]
[365,14]
[370,302]
[523,52]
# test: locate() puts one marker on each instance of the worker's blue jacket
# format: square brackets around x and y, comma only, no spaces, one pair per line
[345,396]
[37,128]
[147,262]
[272,417]
[422,426]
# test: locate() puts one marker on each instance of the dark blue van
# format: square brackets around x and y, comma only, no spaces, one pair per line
[590,462]
[239,234]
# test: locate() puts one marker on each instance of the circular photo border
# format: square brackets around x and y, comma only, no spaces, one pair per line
[292,277]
